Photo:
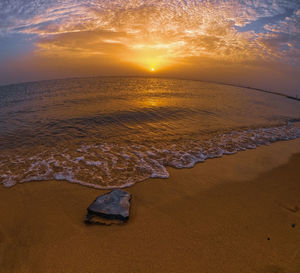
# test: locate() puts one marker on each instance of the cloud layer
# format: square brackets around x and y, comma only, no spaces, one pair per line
[163,34]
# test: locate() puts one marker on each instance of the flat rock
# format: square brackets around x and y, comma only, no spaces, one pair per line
[114,205]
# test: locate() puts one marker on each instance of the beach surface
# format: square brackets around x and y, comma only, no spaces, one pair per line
[235,214]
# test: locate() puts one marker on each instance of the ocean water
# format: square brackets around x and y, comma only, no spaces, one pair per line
[109,132]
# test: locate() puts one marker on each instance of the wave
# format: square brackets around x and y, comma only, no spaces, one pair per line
[115,165]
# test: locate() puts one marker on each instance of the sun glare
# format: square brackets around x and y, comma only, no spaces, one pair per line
[152,69]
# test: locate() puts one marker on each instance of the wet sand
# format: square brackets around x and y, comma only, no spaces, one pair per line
[234,214]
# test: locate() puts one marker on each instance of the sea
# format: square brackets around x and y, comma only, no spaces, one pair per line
[112,132]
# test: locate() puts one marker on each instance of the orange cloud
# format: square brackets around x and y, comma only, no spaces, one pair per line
[137,35]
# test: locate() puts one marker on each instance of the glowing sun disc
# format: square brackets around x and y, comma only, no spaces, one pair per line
[152,69]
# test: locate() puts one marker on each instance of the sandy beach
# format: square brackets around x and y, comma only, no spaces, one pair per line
[191,107]
[235,214]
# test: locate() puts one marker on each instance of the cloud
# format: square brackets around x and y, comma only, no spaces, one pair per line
[150,32]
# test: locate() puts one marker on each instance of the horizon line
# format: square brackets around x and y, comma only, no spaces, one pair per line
[152,76]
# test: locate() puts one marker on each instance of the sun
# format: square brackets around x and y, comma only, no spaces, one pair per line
[152,69]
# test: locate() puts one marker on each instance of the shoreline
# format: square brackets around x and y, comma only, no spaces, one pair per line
[215,217]
[199,154]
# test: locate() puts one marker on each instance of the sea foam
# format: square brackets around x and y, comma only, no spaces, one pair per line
[114,165]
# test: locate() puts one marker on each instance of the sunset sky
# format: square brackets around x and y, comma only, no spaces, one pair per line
[247,42]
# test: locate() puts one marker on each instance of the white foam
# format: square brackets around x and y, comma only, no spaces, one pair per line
[108,166]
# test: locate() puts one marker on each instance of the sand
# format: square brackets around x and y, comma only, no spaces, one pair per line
[233,214]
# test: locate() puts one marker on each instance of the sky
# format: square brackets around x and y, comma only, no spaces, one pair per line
[250,42]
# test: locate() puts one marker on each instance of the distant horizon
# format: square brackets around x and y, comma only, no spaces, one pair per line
[249,43]
[257,88]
